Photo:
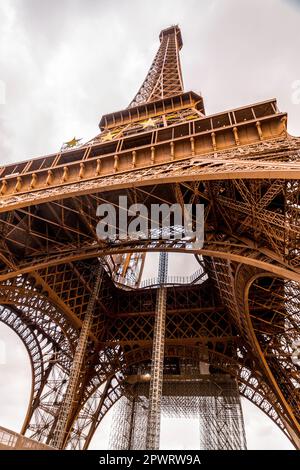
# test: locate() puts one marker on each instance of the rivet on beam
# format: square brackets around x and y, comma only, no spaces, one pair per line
[192,140]
[98,169]
[236,136]
[18,184]
[65,175]
[3,187]
[33,181]
[49,178]
[81,171]
[133,159]
[260,134]
[213,139]
[116,163]
[172,150]
[152,155]
[284,121]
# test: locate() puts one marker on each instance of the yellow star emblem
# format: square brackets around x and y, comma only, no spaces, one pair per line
[107,136]
[148,123]
[72,143]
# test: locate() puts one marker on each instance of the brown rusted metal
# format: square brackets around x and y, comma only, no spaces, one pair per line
[241,318]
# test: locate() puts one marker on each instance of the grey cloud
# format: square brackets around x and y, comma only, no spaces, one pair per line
[293,2]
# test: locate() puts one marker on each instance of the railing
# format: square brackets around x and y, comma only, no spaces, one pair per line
[12,440]
[195,278]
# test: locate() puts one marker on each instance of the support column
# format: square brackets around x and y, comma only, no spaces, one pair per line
[156,382]
[76,368]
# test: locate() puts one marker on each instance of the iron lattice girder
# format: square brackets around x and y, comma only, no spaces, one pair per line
[232,249]
[251,386]
[78,366]
[268,159]
[239,280]
[272,214]
[243,167]
[164,78]
[192,315]
[186,297]
[228,248]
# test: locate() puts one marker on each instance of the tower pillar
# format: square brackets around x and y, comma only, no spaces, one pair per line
[76,369]
[156,382]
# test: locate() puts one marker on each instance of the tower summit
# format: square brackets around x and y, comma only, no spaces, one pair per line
[164,78]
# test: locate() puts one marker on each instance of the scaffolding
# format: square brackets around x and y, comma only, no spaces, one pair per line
[212,399]
[221,419]
[129,424]
[176,387]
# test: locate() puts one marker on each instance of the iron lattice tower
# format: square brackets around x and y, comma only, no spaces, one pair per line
[88,323]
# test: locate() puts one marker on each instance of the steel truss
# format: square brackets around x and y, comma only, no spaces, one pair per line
[242,317]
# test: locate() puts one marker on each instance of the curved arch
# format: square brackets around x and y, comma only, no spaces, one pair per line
[239,253]
[253,388]
[128,354]
[288,415]
[43,354]
[44,318]
[34,351]
[49,341]
[231,280]
[291,420]
[18,292]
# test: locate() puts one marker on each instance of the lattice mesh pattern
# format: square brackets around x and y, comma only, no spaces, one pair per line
[128,430]
[214,401]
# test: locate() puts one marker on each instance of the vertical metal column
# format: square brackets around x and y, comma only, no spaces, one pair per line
[155,392]
[76,368]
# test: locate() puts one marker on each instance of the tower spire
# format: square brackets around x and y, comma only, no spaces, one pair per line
[164,78]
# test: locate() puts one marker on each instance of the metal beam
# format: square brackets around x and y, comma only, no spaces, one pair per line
[76,368]
[155,393]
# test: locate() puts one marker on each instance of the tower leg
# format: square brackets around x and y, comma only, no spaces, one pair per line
[155,392]
[76,368]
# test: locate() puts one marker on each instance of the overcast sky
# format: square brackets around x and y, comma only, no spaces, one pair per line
[64,63]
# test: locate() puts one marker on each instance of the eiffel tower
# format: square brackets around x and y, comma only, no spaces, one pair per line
[96,334]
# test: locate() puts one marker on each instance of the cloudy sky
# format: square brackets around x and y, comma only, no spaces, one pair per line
[64,63]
